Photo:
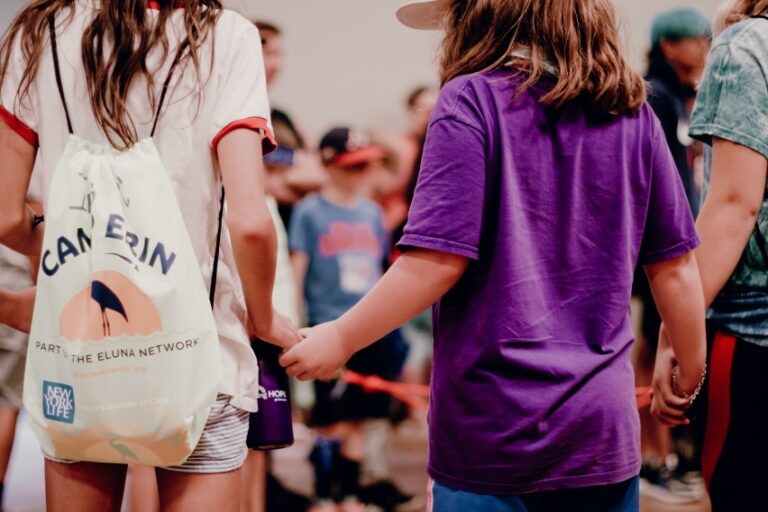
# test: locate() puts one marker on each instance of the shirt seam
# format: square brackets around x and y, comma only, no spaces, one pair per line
[466,248]
[651,257]
[452,117]
[533,486]
[255,123]
[720,131]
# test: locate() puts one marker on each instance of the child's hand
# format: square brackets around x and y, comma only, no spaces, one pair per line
[280,331]
[666,405]
[319,356]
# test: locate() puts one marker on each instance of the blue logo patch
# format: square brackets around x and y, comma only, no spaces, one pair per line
[58,402]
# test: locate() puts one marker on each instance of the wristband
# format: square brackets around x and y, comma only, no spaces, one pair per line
[37,220]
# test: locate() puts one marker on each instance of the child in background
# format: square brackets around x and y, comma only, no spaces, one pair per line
[545,179]
[338,247]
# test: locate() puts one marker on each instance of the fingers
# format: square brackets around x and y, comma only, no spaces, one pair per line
[668,407]
[667,416]
[288,359]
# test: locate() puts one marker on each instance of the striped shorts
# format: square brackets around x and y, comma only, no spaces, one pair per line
[222,445]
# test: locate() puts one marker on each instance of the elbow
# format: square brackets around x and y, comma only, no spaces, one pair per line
[252,231]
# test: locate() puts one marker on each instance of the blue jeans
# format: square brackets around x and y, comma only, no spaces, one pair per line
[622,497]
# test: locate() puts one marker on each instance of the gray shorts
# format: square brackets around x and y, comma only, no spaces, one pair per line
[221,448]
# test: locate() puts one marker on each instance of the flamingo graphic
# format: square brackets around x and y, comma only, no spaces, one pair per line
[123,450]
[107,300]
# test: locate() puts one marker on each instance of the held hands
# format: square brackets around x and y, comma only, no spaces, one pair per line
[278,331]
[319,356]
[667,404]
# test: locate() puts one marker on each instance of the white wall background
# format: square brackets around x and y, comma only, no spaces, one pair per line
[349,61]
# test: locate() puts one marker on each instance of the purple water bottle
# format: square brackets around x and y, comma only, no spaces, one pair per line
[271,427]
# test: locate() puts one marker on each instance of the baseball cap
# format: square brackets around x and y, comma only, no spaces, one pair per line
[423,14]
[346,147]
[677,24]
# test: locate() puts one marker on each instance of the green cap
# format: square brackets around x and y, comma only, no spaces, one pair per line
[685,23]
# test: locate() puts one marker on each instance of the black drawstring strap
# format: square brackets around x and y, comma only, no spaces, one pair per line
[167,84]
[215,271]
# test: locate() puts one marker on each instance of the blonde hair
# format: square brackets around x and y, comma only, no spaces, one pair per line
[743,9]
[578,38]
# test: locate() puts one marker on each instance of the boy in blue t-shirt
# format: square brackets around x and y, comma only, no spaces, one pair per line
[338,248]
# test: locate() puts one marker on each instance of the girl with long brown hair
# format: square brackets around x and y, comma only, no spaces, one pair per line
[731,118]
[110,74]
[545,179]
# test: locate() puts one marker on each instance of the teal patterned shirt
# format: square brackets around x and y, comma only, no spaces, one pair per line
[732,104]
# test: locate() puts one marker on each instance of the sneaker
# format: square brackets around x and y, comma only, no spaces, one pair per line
[661,485]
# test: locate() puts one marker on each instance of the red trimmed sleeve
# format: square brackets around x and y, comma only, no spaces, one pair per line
[250,123]
[19,127]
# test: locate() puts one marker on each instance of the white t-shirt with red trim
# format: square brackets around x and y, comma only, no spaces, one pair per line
[234,95]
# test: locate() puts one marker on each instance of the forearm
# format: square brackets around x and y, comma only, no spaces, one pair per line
[21,236]
[678,294]
[416,281]
[255,252]
[725,229]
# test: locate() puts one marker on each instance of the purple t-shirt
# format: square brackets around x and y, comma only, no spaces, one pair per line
[532,387]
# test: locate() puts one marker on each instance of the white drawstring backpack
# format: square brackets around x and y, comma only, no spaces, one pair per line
[123,363]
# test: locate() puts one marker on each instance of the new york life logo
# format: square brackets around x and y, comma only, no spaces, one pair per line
[58,402]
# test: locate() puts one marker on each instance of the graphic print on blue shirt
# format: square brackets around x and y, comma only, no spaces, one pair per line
[346,247]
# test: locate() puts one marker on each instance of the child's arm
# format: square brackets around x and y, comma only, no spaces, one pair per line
[300,263]
[678,294]
[417,280]
[728,216]
[254,239]
[16,226]
[725,224]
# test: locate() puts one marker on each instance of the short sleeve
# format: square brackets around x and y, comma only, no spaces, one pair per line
[241,99]
[447,210]
[731,103]
[669,229]
[18,113]
[299,229]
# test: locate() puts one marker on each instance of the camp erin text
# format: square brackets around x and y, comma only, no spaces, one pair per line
[144,250]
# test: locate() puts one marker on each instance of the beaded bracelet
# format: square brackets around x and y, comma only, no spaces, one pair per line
[682,394]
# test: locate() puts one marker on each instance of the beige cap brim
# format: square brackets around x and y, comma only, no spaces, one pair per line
[424,14]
